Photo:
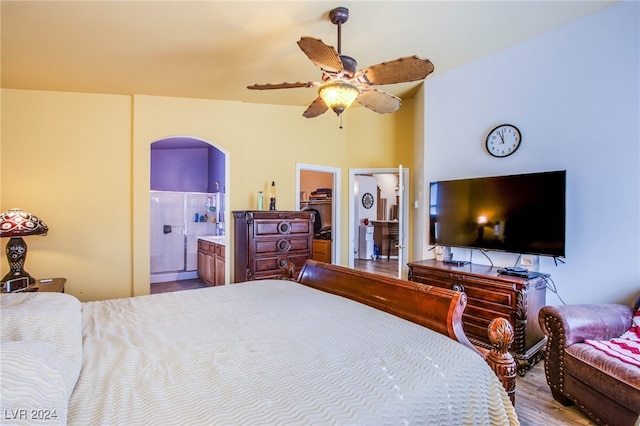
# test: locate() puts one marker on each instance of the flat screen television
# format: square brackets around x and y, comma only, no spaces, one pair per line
[522,214]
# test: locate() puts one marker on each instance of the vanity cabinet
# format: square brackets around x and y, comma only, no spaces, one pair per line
[211,258]
[266,240]
[491,295]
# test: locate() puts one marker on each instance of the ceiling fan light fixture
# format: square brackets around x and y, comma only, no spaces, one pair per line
[342,84]
[338,95]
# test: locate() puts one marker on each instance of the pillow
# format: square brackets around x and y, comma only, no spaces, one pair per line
[634,331]
[626,348]
[40,356]
[43,317]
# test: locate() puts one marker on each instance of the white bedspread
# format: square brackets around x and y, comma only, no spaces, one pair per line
[273,352]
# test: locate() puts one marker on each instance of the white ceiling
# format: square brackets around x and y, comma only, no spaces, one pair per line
[214,49]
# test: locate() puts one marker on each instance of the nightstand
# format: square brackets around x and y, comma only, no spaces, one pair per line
[49,285]
[56,284]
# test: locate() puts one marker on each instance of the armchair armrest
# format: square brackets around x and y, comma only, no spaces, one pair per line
[580,322]
[566,325]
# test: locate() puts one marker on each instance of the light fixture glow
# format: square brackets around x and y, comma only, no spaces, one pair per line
[338,95]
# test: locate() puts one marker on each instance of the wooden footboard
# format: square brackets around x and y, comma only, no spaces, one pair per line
[432,307]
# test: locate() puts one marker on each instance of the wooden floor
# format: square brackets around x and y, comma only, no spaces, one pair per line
[176,286]
[534,404]
[380,266]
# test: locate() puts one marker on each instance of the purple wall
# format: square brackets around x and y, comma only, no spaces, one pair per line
[216,170]
[187,165]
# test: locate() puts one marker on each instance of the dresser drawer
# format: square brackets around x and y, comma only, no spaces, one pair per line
[492,295]
[491,298]
[272,246]
[281,227]
[273,265]
[322,250]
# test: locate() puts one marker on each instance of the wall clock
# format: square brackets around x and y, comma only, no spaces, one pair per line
[367,200]
[503,140]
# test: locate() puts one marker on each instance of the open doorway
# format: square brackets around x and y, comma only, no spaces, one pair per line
[318,190]
[378,218]
[187,203]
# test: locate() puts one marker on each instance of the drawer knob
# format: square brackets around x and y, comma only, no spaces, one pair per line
[282,262]
[284,227]
[457,287]
[284,245]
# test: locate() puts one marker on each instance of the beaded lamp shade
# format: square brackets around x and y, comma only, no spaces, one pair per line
[15,224]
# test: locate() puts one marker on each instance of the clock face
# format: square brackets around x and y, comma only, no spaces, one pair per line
[503,141]
[367,200]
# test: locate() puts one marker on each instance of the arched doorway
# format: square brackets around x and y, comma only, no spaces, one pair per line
[187,178]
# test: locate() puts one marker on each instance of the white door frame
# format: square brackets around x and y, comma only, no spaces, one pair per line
[335,205]
[403,181]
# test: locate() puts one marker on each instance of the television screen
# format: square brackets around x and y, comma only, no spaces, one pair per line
[518,213]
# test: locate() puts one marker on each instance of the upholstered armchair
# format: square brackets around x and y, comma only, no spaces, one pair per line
[605,387]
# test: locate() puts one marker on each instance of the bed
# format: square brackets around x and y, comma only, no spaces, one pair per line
[336,346]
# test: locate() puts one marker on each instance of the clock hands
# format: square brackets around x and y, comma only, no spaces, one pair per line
[509,142]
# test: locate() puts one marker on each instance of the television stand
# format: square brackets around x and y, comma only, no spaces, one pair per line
[456,262]
[490,295]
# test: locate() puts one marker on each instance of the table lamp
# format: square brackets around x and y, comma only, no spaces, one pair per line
[15,224]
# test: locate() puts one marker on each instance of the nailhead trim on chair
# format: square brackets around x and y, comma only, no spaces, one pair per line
[558,325]
[560,388]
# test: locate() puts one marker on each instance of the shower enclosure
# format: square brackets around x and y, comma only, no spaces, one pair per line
[177,219]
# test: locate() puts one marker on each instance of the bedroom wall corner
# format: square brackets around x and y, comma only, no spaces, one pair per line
[418,203]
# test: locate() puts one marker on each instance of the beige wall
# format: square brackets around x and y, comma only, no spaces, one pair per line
[81,163]
[66,158]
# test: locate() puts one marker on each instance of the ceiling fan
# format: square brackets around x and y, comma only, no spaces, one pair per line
[341,84]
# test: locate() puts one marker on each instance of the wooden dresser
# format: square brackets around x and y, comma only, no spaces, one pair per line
[492,295]
[266,240]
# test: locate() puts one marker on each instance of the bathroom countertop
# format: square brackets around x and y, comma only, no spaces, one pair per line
[218,239]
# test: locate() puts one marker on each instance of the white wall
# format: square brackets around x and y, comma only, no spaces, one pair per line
[363,184]
[574,94]
[387,182]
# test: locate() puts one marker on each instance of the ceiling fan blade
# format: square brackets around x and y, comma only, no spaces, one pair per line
[379,101]
[270,86]
[401,70]
[323,56]
[317,107]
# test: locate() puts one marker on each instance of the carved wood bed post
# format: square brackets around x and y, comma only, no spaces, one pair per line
[499,359]
[288,272]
